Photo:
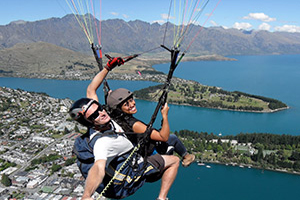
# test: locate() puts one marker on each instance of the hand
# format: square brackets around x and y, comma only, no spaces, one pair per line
[113,62]
[164,110]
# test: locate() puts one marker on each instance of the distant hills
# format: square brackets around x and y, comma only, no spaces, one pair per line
[57,47]
[42,59]
[138,36]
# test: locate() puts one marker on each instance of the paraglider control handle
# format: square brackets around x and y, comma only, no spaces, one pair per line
[125,59]
[108,56]
[163,46]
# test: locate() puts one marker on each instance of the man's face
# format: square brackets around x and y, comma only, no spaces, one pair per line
[97,115]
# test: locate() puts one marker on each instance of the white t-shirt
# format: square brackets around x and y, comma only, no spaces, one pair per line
[110,146]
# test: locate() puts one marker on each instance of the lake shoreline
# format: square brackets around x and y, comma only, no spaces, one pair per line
[174,103]
[250,166]
[244,111]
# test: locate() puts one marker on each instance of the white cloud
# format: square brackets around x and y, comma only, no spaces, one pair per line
[264,26]
[114,13]
[164,16]
[242,25]
[159,21]
[125,16]
[214,23]
[259,16]
[288,28]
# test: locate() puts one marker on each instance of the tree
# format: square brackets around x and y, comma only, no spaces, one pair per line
[5,180]
[76,129]
[70,161]
[219,141]
[271,158]
[260,154]
[296,165]
[220,148]
[66,131]
[295,156]
[55,168]
[230,153]
[209,147]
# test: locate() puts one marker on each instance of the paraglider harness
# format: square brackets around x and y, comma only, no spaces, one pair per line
[124,175]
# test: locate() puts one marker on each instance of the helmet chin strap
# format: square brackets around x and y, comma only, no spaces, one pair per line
[103,127]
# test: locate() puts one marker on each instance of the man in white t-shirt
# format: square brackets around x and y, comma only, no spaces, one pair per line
[108,147]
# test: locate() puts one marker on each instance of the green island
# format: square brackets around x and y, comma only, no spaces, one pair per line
[195,94]
[259,150]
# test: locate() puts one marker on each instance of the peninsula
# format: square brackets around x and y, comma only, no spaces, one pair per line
[191,93]
[47,61]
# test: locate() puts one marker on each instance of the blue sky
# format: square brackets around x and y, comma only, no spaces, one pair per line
[272,15]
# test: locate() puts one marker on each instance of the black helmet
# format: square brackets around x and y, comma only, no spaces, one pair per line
[117,97]
[78,109]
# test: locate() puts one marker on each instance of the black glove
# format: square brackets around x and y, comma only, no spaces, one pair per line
[113,62]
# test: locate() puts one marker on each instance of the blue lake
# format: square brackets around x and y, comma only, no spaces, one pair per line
[226,183]
[271,76]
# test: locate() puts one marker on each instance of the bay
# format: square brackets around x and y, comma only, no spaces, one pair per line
[66,88]
[226,183]
[274,76]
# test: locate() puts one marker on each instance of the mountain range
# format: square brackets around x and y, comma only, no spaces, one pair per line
[138,36]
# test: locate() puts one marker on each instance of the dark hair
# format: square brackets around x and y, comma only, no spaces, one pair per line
[121,118]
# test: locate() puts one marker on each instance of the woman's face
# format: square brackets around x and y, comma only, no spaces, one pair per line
[129,106]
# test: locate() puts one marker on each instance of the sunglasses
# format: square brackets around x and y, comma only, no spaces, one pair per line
[95,114]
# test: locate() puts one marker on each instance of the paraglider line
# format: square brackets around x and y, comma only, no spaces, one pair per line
[202,26]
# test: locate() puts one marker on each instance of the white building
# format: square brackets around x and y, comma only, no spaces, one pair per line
[42,140]
[32,184]
[232,142]
[9,170]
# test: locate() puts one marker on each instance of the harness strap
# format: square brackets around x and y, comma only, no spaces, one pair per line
[120,169]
